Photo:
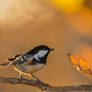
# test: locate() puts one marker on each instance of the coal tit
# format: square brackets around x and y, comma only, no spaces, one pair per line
[32,61]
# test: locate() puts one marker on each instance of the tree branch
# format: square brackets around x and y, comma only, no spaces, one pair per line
[44,86]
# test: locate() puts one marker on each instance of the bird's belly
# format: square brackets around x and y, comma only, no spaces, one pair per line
[29,68]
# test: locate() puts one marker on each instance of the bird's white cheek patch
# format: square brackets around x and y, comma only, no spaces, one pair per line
[40,54]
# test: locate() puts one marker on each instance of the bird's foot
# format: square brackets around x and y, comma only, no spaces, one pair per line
[37,79]
[21,78]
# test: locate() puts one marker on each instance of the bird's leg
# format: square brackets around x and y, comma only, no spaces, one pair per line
[38,80]
[21,76]
[34,76]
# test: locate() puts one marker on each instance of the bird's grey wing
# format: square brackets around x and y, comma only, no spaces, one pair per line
[16,60]
[23,59]
[4,64]
[10,60]
[28,61]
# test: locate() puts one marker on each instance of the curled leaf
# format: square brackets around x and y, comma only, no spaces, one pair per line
[81,61]
[72,59]
[80,64]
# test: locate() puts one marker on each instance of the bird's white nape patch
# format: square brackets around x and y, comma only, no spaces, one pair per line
[40,54]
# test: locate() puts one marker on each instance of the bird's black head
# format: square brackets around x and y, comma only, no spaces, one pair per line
[40,48]
[40,53]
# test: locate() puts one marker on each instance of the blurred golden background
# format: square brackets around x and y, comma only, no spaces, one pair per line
[65,25]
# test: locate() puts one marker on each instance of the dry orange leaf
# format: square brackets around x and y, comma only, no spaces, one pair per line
[80,64]
[72,59]
[81,61]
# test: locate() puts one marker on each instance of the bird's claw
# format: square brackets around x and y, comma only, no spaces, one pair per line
[21,78]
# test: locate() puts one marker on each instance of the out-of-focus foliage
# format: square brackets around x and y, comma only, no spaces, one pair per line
[68,5]
[72,5]
[88,4]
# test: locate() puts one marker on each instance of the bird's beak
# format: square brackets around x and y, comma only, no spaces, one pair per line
[52,49]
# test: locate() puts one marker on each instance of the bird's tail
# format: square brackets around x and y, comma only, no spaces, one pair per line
[5,64]
[10,61]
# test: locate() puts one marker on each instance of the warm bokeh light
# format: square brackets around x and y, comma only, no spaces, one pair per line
[68,5]
[81,22]
[5,8]
[14,13]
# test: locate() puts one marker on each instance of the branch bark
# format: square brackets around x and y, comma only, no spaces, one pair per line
[44,86]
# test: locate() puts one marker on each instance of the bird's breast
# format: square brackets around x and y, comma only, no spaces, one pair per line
[29,68]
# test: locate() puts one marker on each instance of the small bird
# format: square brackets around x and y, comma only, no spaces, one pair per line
[30,62]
